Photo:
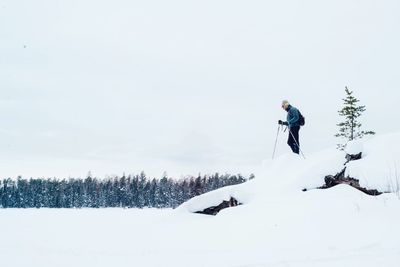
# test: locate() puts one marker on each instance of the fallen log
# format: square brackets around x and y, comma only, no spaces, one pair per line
[214,210]
[340,178]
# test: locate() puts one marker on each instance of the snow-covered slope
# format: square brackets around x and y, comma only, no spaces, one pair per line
[377,169]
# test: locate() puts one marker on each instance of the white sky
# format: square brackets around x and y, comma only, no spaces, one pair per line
[184,86]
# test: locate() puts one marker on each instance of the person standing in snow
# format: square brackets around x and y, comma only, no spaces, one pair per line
[293,122]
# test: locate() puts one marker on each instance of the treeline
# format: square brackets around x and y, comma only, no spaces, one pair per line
[134,191]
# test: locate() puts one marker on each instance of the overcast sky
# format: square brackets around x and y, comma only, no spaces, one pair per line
[185,86]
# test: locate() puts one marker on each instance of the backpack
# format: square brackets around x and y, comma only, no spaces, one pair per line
[302,120]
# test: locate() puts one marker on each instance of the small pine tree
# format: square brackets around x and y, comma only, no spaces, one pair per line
[350,128]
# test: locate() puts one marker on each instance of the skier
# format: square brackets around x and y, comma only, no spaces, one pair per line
[293,123]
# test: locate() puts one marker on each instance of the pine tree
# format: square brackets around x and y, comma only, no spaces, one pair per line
[350,128]
[132,191]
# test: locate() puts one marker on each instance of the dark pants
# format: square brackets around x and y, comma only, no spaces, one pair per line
[293,140]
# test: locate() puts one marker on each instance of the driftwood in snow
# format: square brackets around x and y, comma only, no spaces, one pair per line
[351,157]
[340,178]
[232,202]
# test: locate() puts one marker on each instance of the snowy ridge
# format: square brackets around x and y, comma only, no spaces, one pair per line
[288,174]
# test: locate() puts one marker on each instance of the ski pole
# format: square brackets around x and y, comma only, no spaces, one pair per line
[297,144]
[276,141]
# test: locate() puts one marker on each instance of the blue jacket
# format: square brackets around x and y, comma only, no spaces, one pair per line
[293,117]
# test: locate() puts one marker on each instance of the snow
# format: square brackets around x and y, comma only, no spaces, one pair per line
[354,147]
[286,174]
[378,169]
[335,227]
[379,166]
[277,225]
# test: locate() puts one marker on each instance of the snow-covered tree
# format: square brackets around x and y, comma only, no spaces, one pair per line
[350,128]
[135,191]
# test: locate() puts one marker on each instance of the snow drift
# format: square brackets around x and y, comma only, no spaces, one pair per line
[376,170]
